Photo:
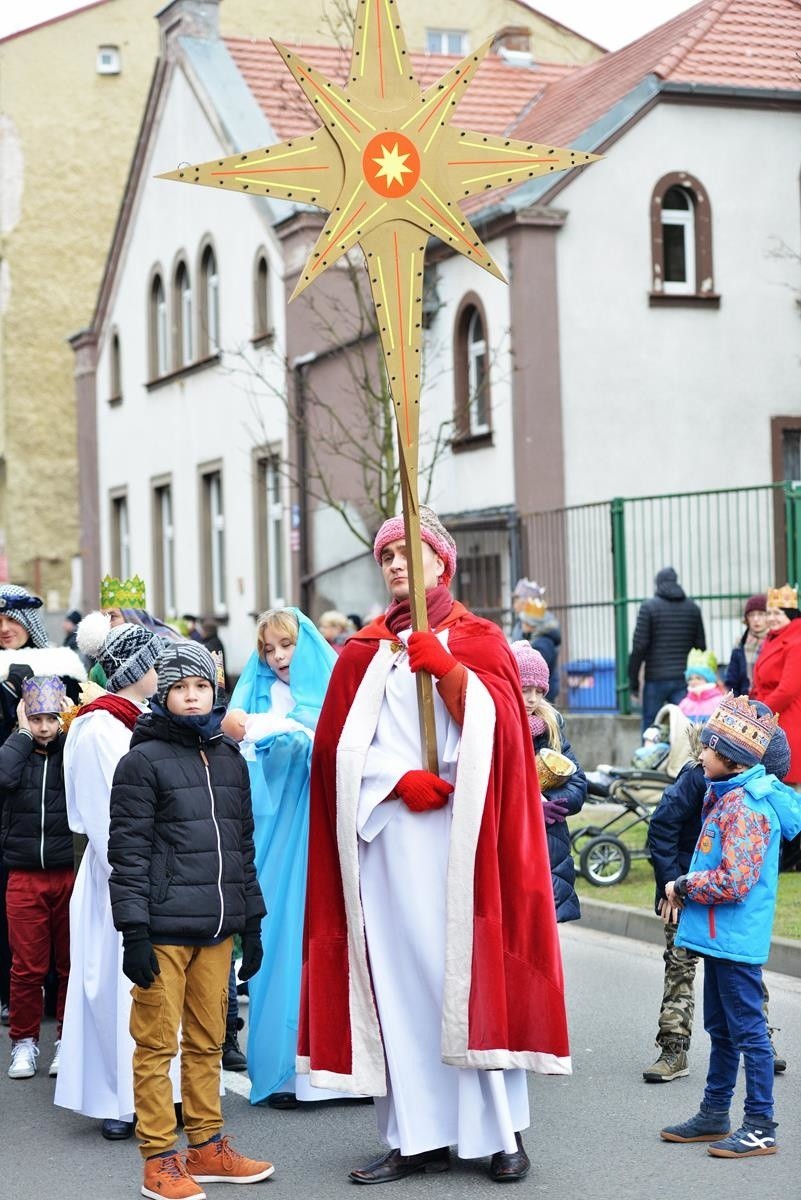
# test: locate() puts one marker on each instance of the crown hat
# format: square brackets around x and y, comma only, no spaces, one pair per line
[782,597]
[43,694]
[739,731]
[122,593]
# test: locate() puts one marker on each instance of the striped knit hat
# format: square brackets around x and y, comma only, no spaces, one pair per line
[178,661]
[18,603]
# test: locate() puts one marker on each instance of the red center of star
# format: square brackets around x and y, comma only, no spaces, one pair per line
[391,164]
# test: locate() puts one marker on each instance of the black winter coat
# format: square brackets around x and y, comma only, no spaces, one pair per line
[181,836]
[563,869]
[675,826]
[668,627]
[34,833]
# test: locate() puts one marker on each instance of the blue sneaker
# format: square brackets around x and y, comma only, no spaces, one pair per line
[750,1140]
[703,1127]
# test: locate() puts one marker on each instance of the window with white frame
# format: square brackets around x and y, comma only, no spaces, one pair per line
[678,241]
[271,532]
[108,60]
[472,401]
[213,549]
[209,303]
[115,368]
[446,41]
[182,309]
[262,325]
[120,536]
[159,358]
[164,550]
[477,382]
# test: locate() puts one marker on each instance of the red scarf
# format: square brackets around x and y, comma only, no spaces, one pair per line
[439,603]
[124,710]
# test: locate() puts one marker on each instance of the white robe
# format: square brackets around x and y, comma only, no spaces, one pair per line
[95,1074]
[403,860]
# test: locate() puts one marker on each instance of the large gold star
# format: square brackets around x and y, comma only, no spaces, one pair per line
[390,168]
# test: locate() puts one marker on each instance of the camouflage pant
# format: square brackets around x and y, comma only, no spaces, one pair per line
[678,996]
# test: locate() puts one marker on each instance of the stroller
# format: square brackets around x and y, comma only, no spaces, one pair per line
[604,857]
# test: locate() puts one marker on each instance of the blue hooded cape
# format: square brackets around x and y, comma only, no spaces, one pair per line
[279,782]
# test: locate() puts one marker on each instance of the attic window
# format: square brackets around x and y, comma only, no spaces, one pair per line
[108,60]
[681,243]
[446,41]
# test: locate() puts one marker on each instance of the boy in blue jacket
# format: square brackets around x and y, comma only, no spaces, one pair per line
[727,900]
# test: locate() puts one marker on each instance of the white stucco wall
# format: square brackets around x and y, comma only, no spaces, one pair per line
[481,478]
[217,414]
[679,399]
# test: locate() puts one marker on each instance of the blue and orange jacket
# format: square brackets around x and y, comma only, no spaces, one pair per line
[733,876]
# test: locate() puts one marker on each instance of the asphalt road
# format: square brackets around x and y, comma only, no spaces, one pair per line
[594,1134]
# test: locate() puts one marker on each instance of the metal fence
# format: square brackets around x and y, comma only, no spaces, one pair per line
[598,563]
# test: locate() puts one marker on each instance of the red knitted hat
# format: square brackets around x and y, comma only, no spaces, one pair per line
[431,530]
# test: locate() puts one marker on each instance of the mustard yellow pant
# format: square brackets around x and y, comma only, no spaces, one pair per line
[191,993]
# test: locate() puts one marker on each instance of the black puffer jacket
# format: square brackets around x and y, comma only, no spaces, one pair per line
[34,833]
[668,627]
[563,871]
[181,836]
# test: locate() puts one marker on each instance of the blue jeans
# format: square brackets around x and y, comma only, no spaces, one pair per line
[658,692]
[735,1022]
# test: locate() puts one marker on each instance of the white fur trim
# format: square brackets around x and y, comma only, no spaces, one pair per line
[49,660]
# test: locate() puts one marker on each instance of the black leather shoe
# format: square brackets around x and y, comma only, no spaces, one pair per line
[282,1100]
[394,1165]
[508,1168]
[232,1057]
[115,1131]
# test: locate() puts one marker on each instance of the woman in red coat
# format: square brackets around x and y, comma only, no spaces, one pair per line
[777,670]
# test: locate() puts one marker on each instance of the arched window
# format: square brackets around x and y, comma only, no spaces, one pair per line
[472,408]
[115,369]
[182,317]
[262,322]
[157,321]
[681,239]
[209,303]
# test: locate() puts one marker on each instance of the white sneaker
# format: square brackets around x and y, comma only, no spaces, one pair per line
[23,1059]
[53,1068]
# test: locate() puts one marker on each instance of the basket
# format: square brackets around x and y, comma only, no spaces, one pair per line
[553,769]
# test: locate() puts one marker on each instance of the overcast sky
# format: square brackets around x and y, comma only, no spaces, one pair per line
[612,23]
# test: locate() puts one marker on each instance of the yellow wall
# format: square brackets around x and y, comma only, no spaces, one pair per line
[67,136]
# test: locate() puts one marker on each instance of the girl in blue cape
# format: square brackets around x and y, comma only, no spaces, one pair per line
[273,713]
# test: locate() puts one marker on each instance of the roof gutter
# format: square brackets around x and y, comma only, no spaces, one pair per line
[714,91]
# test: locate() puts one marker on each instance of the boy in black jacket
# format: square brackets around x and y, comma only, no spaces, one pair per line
[183,881]
[37,853]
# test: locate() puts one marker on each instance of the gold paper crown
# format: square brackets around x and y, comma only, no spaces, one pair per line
[118,593]
[219,666]
[741,725]
[783,597]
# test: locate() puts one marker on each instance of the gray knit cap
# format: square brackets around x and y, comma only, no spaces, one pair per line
[127,654]
[179,660]
[27,614]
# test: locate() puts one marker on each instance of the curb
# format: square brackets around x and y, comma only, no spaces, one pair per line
[625,921]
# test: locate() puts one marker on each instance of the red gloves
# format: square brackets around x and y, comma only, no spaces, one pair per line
[422,790]
[427,653]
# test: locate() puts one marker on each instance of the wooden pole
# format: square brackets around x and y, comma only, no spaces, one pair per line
[417,596]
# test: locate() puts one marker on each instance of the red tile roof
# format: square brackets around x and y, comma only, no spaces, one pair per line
[494,100]
[740,43]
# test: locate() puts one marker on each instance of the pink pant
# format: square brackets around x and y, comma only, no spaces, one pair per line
[38,908]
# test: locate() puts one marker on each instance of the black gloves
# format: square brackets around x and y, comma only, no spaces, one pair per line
[139,960]
[17,674]
[252,952]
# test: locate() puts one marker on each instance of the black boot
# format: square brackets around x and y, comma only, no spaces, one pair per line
[232,1057]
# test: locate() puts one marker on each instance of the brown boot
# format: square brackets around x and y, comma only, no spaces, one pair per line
[671,1064]
[166,1178]
[218,1162]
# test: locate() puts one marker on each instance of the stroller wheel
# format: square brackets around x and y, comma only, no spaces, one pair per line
[583,832]
[605,861]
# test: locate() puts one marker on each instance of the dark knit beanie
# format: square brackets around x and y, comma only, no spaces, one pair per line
[755,604]
[180,660]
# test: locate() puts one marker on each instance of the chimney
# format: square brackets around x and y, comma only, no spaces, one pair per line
[188,18]
[512,37]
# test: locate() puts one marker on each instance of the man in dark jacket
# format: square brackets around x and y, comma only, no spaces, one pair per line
[183,881]
[668,627]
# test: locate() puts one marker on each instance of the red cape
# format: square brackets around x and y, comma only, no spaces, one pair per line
[777,683]
[504,995]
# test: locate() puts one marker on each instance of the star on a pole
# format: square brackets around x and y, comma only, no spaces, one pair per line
[391,170]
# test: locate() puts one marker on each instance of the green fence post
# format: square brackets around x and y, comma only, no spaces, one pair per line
[620,586]
[792,531]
